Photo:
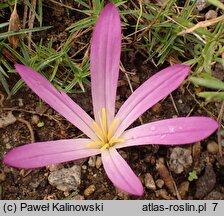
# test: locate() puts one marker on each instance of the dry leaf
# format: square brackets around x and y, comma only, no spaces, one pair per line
[14,27]
[165,176]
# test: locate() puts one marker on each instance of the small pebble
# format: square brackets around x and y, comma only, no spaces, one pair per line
[92,161]
[162,193]
[89,190]
[35,119]
[51,197]
[201,4]
[66,179]
[159,183]
[149,182]
[2,175]
[183,189]
[150,159]
[66,193]
[20,102]
[54,167]
[157,108]
[34,184]
[180,158]
[78,197]
[5,139]
[8,146]
[6,119]
[206,182]
[122,194]
[213,147]
[98,162]
[123,154]
[211,14]
[84,167]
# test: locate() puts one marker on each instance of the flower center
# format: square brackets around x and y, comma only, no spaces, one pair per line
[104,133]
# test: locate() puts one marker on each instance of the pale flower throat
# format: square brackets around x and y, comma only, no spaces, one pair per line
[104,133]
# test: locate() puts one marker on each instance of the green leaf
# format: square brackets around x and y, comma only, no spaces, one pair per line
[23,31]
[4,24]
[16,87]
[216,3]
[208,81]
[40,124]
[212,96]
[208,53]
[192,176]
[4,81]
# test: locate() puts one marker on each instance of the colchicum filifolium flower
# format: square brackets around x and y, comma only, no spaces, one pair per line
[107,132]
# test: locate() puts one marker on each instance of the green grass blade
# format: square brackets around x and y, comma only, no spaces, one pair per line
[17,87]
[23,31]
[216,3]
[212,96]
[4,81]
[209,82]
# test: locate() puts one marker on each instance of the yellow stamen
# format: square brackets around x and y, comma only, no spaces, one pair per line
[104,120]
[105,146]
[115,141]
[95,144]
[111,128]
[98,131]
[105,134]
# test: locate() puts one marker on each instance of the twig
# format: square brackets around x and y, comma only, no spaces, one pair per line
[196,35]
[192,95]
[220,116]
[153,21]
[31,21]
[174,183]
[174,104]
[192,109]
[2,98]
[139,17]
[205,23]
[130,86]
[32,138]
[25,15]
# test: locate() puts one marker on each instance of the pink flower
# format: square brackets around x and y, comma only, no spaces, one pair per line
[108,132]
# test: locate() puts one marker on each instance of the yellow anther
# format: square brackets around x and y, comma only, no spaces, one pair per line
[104,120]
[115,141]
[98,131]
[95,144]
[104,133]
[105,146]
[111,128]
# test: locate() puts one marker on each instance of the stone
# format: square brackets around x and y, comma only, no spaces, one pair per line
[89,190]
[98,162]
[149,182]
[211,14]
[183,189]
[92,161]
[2,175]
[180,158]
[159,183]
[35,119]
[213,147]
[7,119]
[206,182]
[55,167]
[66,179]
